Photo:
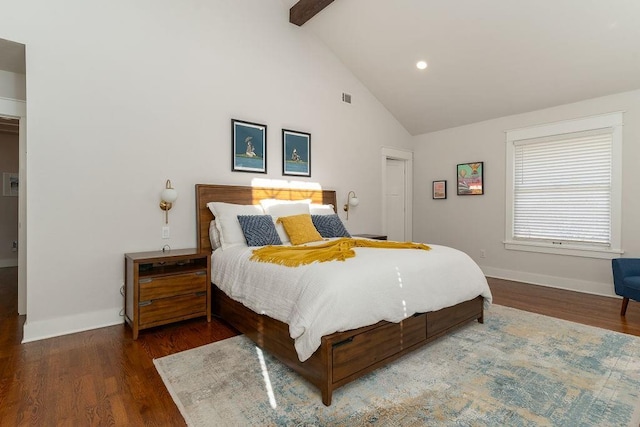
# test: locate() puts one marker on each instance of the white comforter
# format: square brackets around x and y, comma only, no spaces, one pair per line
[323,298]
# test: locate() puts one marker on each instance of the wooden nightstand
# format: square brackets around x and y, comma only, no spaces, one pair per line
[165,287]
[371,236]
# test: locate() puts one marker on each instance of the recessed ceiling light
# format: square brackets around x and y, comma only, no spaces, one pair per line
[421,65]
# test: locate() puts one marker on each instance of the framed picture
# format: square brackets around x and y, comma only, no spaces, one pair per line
[439,189]
[10,184]
[470,178]
[248,147]
[296,153]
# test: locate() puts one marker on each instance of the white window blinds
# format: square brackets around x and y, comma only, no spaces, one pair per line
[563,188]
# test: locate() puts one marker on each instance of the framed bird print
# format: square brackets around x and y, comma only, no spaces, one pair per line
[248,147]
[296,152]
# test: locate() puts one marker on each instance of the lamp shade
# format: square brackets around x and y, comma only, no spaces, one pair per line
[169,195]
[353,201]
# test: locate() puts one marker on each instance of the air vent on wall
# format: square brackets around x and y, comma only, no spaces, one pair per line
[346,98]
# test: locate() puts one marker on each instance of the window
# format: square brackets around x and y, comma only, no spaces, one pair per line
[564,187]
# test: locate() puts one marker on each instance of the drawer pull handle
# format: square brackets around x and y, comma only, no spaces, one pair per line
[145,303]
[343,342]
[201,273]
[201,293]
[149,280]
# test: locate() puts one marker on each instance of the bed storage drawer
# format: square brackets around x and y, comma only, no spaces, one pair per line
[160,311]
[152,288]
[363,350]
[441,320]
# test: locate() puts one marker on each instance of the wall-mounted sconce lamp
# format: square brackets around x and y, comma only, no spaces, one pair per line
[352,201]
[167,197]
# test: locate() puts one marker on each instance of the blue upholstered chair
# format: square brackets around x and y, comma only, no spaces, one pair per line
[626,280]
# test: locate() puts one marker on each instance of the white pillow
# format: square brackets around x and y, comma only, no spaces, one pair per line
[214,235]
[267,203]
[286,209]
[317,209]
[227,221]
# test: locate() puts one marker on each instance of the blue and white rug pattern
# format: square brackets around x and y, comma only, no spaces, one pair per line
[516,369]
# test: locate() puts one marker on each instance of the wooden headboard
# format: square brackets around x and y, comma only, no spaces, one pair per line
[242,195]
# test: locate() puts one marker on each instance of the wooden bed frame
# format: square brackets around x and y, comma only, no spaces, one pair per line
[343,356]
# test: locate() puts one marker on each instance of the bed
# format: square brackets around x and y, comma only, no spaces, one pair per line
[341,357]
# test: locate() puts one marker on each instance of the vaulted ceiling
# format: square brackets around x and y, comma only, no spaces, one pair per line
[486,59]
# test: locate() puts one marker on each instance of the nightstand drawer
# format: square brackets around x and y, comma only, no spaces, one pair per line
[165,310]
[152,288]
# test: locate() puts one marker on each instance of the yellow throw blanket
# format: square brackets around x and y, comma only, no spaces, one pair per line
[340,250]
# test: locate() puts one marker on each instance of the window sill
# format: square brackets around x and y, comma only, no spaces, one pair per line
[569,250]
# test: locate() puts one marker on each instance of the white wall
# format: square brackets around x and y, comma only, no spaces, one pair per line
[472,223]
[123,95]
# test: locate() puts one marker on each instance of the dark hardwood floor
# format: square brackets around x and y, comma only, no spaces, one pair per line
[593,310]
[103,377]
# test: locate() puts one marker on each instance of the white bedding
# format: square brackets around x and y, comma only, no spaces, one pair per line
[323,298]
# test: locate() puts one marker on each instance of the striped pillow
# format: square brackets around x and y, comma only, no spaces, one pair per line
[259,230]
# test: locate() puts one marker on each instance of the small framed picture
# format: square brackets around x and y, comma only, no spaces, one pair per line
[296,153]
[470,178]
[439,189]
[248,147]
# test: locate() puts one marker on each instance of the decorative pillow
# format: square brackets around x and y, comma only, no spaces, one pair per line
[226,216]
[214,235]
[300,229]
[285,209]
[329,226]
[317,209]
[259,230]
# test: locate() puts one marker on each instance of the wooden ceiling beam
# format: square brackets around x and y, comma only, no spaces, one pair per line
[304,10]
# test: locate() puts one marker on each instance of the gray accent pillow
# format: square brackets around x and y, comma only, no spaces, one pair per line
[329,226]
[259,230]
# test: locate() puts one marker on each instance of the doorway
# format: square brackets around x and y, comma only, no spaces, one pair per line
[9,166]
[9,149]
[13,114]
[397,194]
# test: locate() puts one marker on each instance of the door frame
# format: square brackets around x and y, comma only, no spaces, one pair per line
[407,157]
[17,109]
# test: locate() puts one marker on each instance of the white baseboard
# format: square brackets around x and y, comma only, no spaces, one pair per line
[49,328]
[8,262]
[596,288]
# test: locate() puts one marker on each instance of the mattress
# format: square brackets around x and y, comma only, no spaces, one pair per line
[322,298]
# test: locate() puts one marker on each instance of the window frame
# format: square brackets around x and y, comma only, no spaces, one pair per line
[613,121]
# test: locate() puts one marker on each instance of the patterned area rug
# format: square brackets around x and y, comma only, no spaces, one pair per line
[518,369]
